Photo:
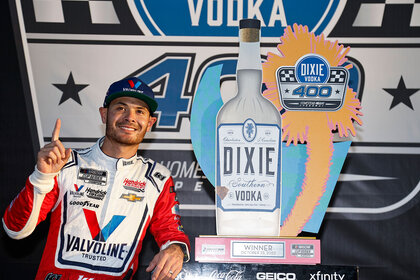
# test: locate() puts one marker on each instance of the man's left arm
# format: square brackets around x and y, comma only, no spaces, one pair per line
[169,234]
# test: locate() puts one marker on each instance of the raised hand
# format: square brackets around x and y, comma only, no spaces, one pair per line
[53,156]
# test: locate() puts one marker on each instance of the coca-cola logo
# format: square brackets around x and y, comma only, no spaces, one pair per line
[230,275]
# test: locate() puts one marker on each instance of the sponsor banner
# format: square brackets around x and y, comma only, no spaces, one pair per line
[192,271]
[73,50]
[144,44]
[173,66]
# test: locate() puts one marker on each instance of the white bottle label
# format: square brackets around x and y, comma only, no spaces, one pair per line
[248,166]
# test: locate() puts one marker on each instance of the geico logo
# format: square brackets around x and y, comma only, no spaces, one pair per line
[275,276]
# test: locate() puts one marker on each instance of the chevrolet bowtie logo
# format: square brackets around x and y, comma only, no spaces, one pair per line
[131,197]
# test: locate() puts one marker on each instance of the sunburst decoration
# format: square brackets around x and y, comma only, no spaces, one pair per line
[313,127]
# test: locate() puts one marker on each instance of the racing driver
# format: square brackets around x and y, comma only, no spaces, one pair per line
[103,199]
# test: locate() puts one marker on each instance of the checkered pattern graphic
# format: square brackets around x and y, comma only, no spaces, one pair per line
[52,11]
[337,76]
[287,75]
[374,14]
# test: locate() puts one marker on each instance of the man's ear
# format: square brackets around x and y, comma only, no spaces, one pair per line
[103,111]
[152,120]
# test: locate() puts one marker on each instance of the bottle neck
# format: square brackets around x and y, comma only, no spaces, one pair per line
[249,49]
[249,82]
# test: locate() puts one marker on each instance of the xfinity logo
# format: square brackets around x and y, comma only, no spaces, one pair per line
[276,276]
[292,276]
[325,276]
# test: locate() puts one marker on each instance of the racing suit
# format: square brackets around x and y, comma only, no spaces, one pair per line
[101,208]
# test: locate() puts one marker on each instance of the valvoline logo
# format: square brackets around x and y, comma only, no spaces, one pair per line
[221,17]
[78,191]
[134,85]
[97,233]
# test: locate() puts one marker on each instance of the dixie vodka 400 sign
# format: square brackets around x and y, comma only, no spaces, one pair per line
[312,85]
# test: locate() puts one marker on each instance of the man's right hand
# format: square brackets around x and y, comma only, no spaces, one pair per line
[53,156]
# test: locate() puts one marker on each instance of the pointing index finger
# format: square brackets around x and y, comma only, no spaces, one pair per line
[56,131]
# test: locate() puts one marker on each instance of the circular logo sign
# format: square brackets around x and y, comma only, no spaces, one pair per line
[312,68]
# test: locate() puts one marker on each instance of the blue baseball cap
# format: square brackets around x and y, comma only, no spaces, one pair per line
[131,87]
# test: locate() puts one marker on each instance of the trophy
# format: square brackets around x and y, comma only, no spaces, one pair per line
[274,162]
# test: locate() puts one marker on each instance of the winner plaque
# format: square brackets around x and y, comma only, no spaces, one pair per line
[257,250]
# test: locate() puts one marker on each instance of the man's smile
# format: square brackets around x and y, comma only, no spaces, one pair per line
[127,128]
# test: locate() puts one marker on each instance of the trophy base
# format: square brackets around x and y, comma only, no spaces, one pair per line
[226,249]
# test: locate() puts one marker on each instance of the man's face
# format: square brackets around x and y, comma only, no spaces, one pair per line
[127,120]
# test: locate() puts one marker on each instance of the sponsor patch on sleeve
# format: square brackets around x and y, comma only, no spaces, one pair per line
[159,176]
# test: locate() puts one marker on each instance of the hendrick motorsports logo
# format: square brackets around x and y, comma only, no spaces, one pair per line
[312,85]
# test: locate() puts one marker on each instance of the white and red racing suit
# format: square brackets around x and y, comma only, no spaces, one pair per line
[101,208]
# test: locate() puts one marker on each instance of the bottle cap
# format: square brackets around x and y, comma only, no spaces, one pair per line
[249,23]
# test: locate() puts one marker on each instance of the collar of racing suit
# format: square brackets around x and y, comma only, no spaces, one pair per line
[118,163]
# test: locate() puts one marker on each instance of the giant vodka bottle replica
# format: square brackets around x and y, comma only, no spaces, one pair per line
[248,151]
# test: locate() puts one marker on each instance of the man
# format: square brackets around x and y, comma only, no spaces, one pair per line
[103,199]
